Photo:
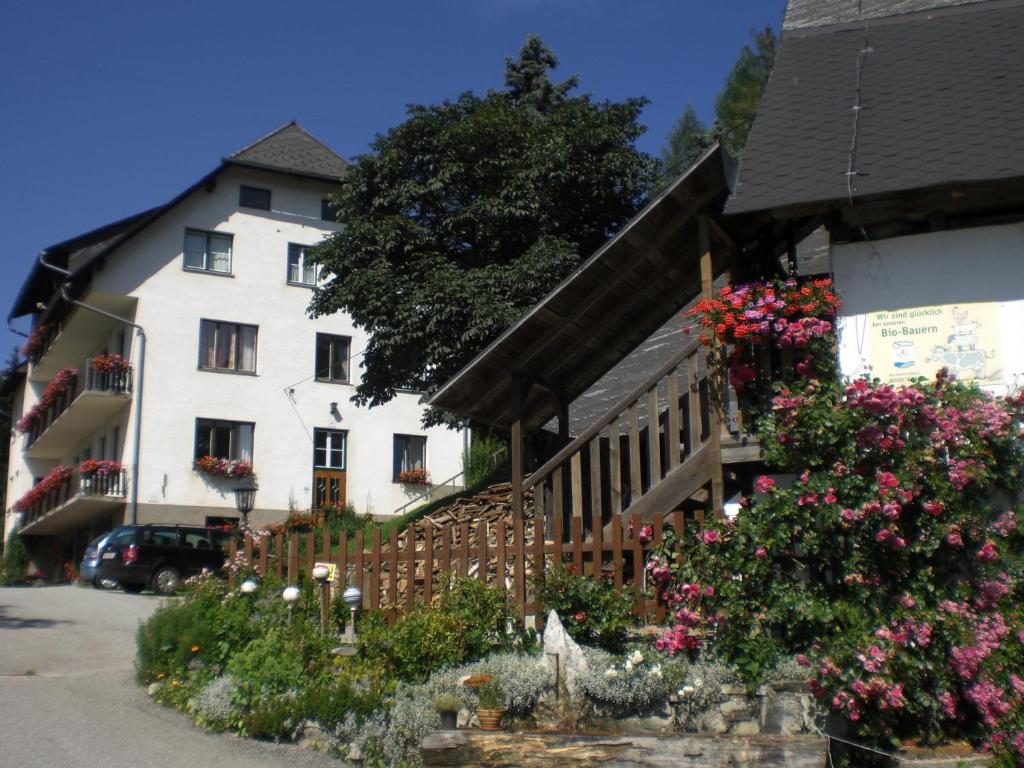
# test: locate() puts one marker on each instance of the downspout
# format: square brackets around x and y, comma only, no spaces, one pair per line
[134,502]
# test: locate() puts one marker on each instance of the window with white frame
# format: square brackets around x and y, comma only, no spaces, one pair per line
[227,346]
[329,447]
[207,251]
[410,453]
[301,269]
[332,354]
[230,440]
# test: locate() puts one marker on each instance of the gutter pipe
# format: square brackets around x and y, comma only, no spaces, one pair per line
[134,503]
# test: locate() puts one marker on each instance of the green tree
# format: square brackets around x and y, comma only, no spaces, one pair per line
[466,214]
[735,108]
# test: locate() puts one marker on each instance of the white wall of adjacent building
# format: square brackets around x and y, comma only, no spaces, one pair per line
[955,299]
[282,399]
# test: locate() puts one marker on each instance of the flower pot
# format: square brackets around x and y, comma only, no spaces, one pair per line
[490,719]
[449,720]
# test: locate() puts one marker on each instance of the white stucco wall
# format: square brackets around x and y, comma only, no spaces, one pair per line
[283,400]
[979,271]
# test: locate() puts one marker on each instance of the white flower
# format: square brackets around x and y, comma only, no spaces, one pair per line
[611,673]
[698,683]
[636,657]
[656,672]
[687,690]
[629,665]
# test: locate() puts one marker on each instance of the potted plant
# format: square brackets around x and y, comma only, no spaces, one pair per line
[490,705]
[448,706]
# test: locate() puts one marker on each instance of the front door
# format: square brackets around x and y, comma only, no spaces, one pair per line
[330,453]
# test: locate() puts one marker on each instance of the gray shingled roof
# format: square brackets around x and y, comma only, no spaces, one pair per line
[814,13]
[943,96]
[290,148]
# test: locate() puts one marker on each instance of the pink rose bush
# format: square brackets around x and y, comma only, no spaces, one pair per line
[892,563]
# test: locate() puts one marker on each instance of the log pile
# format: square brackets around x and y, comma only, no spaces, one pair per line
[489,506]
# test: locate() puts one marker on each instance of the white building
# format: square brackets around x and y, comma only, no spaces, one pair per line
[234,367]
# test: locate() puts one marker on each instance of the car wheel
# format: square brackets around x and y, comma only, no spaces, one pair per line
[132,589]
[165,581]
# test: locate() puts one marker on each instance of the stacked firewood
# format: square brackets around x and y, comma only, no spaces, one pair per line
[489,506]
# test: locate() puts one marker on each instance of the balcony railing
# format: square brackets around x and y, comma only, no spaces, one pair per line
[87,381]
[113,486]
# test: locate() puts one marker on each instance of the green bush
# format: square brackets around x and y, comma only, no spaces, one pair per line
[15,561]
[592,610]
[482,459]
[468,621]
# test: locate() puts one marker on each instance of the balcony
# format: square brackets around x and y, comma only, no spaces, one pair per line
[75,502]
[81,410]
[77,335]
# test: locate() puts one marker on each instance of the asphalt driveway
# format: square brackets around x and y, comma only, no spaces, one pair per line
[68,696]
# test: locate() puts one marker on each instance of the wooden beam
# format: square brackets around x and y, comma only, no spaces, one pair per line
[716,385]
[518,397]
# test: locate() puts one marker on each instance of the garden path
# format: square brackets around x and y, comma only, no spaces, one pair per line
[68,695]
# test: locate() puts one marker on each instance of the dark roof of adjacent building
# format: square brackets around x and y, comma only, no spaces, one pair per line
[292,149]
[289,149]
[816,13]
[599,314]
[942,91]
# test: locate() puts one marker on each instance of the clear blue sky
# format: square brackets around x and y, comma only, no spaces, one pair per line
[111,107]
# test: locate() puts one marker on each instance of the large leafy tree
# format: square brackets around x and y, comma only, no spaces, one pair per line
[466,214]
[735,108]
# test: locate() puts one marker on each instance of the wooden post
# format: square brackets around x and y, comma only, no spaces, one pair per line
[716,389]
[410,566]
[428,564]
[517,446]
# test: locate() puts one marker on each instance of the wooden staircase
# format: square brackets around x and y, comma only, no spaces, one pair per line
[662,448]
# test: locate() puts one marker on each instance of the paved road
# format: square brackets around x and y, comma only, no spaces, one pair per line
[68,696]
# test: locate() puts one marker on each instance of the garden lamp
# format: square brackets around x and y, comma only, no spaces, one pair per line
[249,586]
[353,598]
[245,499]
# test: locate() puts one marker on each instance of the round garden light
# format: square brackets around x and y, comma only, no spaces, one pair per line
[290,594]
[249,586]
[320,572]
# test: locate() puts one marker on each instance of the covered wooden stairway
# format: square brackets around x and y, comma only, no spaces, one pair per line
[670,444]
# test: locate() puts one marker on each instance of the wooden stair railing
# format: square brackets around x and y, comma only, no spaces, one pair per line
[616,464]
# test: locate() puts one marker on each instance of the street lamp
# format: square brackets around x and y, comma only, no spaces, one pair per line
[245,499]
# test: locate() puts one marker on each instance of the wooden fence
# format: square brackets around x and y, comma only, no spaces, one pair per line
[396,575]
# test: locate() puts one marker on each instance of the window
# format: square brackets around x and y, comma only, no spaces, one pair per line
[410,453]
[207,251]
[301,269]
[329,449]
[327,210]
[231,440]
[164,536]
[332,357]
[254,197]
[227,346]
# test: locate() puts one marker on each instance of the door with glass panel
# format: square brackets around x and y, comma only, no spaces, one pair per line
[330,449]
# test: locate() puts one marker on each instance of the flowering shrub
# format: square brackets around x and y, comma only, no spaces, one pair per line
[214,467]
[111,363]
[54,479]
[414,476]
[592,610]
[892,561]
[627,684]
[62,383]
[34,343]
[99,468]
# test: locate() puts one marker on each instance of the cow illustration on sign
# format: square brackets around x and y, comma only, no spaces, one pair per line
[960,353]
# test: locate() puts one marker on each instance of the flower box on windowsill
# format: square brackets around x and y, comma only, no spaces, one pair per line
[414,477]
[211,466]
